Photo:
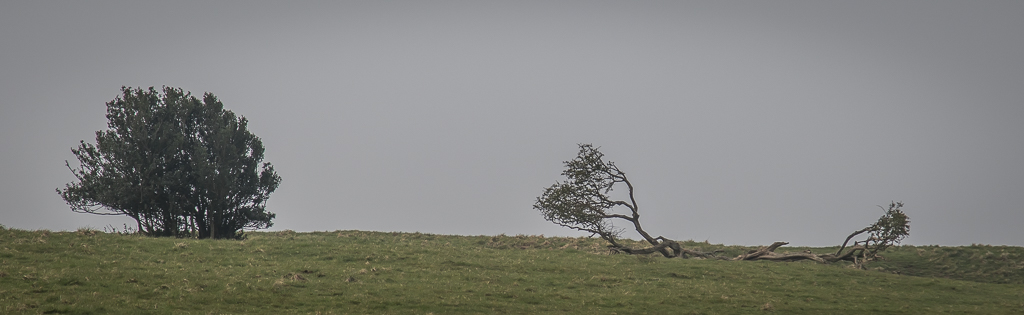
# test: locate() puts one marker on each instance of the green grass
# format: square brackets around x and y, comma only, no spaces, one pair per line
[354,272]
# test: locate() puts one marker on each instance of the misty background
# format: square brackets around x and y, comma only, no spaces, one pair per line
[737,122]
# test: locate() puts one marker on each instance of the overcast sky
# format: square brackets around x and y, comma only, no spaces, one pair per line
[738,122]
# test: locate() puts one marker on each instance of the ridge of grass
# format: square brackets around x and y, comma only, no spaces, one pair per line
[357,272]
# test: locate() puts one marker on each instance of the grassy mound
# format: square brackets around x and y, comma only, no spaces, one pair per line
[358,272]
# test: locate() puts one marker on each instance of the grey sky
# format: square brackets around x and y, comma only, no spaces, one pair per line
[738,122]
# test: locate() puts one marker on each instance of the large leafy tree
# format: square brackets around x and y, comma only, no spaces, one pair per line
[175,164]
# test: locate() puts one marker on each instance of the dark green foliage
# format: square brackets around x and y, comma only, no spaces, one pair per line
[582,202]
[890,229]
[175,164]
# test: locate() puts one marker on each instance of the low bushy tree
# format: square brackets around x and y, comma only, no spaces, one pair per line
[175,164]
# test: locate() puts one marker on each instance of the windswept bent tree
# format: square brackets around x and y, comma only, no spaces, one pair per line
[583,202]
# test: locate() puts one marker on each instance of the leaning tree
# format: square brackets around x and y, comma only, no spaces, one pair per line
[175,164]
[584,202]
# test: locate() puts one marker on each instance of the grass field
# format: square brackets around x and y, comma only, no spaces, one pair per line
[355,272]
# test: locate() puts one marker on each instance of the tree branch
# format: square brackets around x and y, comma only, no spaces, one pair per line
[840,251]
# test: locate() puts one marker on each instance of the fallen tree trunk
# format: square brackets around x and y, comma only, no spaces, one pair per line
[856,254]
[760,252]
[666,247]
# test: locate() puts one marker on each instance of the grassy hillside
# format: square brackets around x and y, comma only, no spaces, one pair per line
[411,273]
[978,263]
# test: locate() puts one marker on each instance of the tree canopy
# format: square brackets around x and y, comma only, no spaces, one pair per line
[583,201]
[177,165]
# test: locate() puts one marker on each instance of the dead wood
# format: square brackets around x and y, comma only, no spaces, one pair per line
[666,247]
[763,250]
[857,254]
